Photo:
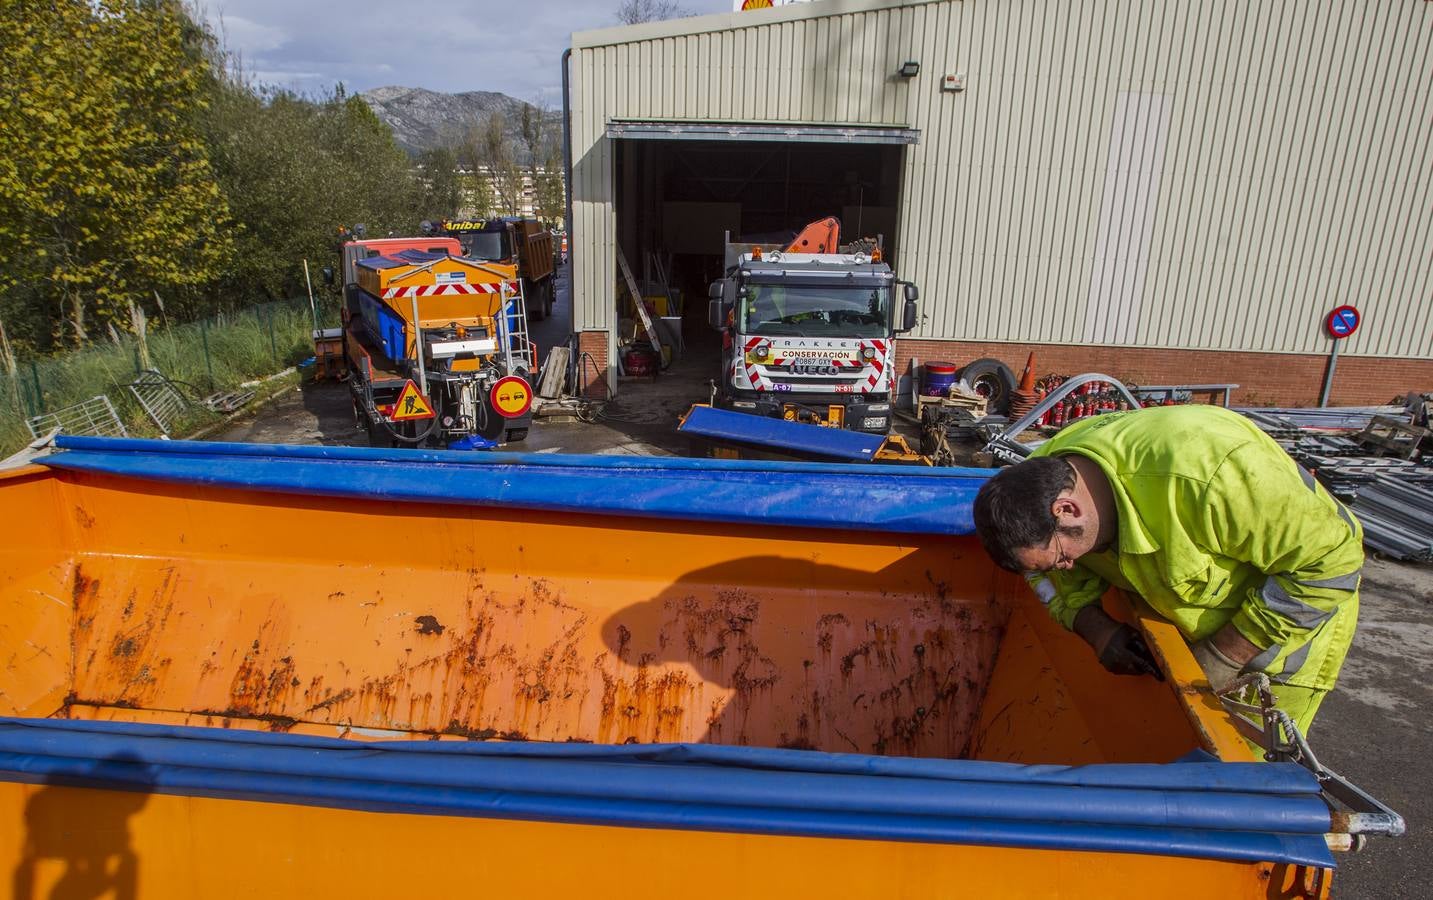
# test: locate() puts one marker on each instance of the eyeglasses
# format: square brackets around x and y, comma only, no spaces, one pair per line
[1062,556]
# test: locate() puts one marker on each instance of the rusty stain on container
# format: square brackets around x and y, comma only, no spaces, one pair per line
[877,653]
[342,696]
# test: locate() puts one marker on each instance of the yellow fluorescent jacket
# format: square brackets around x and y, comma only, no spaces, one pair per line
[1218,524]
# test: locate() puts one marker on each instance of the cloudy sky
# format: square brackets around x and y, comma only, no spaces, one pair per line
[443,45]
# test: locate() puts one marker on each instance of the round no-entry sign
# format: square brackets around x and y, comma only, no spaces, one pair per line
[1343,321]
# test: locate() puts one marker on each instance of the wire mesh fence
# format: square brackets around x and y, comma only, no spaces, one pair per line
[203,357]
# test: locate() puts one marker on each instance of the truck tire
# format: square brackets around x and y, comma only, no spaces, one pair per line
[994,381]
[516,434]
[539,312]
[551,293]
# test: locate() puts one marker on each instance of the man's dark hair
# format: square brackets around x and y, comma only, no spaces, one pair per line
[1012,510]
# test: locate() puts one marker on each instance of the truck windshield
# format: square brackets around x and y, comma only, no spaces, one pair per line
[815,310]
[488,245]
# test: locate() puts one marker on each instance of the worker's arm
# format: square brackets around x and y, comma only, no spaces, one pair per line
[1073,598]
[1259,509]
[1065,593]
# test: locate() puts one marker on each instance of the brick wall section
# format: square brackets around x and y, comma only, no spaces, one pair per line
[1264,379]
[592,372]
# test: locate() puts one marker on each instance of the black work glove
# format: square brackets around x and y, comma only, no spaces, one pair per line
[1125,653]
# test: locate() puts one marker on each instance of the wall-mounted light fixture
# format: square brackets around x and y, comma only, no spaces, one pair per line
[910,69]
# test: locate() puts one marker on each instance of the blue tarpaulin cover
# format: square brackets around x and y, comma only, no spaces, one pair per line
[419,256]
[382,262]
[819,495]
[743,428]
[1269,812]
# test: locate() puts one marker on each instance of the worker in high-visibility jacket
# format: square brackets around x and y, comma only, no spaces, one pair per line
[1200,513]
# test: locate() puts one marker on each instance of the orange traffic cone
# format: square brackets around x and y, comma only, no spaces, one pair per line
[1023,399]
[1027,377]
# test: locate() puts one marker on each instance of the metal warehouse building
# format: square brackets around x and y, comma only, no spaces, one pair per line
[1167,192]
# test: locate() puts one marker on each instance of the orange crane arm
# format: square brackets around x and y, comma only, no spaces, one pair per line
[818,237]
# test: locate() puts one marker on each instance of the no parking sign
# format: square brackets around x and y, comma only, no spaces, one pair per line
[1343,321]
[1340,323]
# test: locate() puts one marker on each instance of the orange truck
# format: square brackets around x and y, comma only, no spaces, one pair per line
[249,670]
[513,241]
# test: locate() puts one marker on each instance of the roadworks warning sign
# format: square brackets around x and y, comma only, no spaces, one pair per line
[410,405]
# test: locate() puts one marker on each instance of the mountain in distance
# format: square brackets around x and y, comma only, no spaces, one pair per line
[422,119]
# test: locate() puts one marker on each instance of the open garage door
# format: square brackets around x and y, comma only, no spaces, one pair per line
[681,186]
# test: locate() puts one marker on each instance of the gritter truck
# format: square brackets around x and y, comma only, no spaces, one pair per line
[808,330]
[436,345]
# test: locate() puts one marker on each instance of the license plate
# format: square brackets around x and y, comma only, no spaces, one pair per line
[873,422]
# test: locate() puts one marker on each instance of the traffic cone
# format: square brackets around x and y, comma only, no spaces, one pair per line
[1027,377]
[1023,399]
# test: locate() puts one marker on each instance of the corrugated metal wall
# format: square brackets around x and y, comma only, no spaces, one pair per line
[1211,175]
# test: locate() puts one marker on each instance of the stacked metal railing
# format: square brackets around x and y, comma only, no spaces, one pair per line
[1295,419]
[1392,497]
[1397,518]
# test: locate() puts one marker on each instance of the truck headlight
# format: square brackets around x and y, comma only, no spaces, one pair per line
[743,404]
[761,351]
[868,353]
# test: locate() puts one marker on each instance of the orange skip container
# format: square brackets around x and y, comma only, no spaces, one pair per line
[305,671]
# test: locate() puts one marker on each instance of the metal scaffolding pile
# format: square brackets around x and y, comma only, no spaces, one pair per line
[1397,518]
[1289,423]
[1392,497]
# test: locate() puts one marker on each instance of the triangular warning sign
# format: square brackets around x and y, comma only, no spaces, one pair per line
[410,405]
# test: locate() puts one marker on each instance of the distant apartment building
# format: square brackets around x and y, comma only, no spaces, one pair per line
[487,194]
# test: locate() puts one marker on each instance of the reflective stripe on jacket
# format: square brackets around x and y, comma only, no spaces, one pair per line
[1218,524]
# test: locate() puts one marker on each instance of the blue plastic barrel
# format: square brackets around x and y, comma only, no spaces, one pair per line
[939,376]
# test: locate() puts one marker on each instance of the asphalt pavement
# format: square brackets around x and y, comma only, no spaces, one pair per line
[555,328]
[1375,729]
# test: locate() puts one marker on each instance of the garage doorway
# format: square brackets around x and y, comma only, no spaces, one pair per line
[679,188]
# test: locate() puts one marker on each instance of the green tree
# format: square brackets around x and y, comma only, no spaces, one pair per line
[106,190]
[550,200]
[477,194]
[492,153]
[540,141]
[441,195]
[297,170]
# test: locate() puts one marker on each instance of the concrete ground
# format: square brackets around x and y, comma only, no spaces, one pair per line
[1374,729]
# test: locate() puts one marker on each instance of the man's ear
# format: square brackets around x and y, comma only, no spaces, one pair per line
[1064,509]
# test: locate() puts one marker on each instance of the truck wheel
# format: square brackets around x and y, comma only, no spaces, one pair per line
[994,381]
[543,305]
[516,434]
[551,298]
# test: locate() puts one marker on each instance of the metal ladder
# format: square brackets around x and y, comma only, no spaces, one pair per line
[515,324]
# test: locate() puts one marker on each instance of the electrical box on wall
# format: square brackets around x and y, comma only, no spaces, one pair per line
[953,83]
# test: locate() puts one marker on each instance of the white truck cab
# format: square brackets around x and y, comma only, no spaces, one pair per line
[810,337]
